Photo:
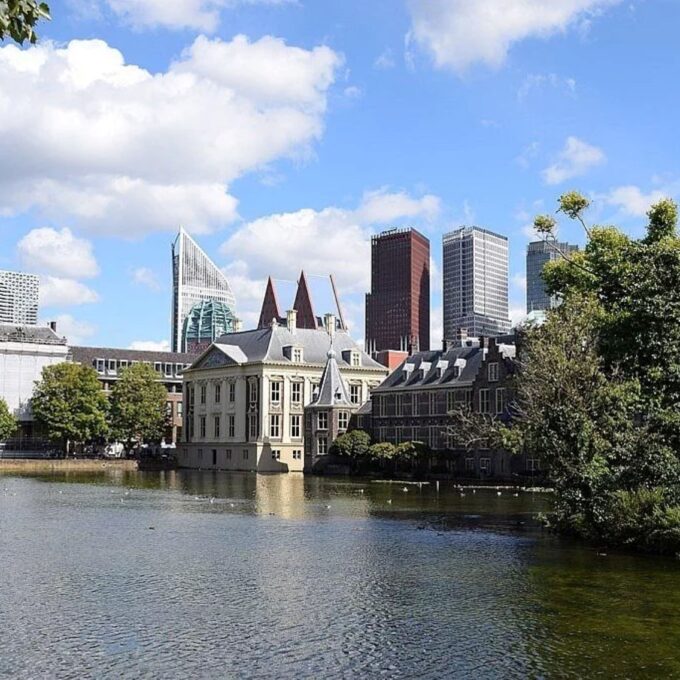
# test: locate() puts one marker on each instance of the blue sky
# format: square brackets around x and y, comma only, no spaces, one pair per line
[282,134]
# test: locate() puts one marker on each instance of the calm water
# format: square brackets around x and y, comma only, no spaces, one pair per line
[142,575]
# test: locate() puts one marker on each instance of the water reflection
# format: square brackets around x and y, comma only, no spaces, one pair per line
[219,575]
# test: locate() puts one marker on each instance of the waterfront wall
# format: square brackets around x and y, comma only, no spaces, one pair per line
[64,465]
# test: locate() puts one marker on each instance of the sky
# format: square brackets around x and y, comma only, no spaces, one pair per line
[283,133]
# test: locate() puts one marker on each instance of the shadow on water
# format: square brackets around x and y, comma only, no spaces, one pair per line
[122,574]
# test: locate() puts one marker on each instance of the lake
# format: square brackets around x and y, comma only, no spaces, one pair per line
[219,575]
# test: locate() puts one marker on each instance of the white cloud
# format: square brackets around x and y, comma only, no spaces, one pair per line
[329,241]
[49,251]
[537,81]
[150,345]
[436,327]
[353,92]
[145,277]
[59,292]
[528,154]
[385,60]
[460,33]
[202,15]
[518,314]
[74,330]
[575,159]
[519,282]
[632,201]
[114,148]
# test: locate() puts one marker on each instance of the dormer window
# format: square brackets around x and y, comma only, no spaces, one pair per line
[297,355]
[352,357]
[293,354]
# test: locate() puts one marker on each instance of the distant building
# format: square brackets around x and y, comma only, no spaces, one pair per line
[19,298]
[398,306]
[414,403]
[195,278]
[206,321]
[475,296]
[307,315]
[245,396]
[24,352]
[110,362]
[539,253]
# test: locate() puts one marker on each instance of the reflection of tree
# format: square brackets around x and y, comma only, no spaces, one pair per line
[612,616]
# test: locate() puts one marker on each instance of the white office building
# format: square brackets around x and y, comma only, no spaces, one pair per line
[19,298]
[195,279]
[475,263]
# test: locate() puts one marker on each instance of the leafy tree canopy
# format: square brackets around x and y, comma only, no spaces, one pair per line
[69,403]
[18,19]
[138,403]
[354,444]
[383,451]
[8,423]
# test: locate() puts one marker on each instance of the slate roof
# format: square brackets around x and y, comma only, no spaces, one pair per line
[267,345]
[332,388]
[436,368]
[87,355]
[38,335]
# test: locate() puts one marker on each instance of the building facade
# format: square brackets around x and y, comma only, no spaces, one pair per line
[24,352]
[170,366]
[194,278]
[475,272]
[245,396]
[415,401]
[19,298]
[539,253]
[398,306]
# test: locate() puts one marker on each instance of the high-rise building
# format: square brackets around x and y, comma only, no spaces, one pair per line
[194,278]
[19,298]
[398,306]
[539,254]
[475,283]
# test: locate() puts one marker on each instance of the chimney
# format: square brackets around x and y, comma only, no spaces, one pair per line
[329,324]
[53,326]
[462,335]
[291,320]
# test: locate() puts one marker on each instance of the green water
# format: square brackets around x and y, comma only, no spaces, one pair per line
[201,574]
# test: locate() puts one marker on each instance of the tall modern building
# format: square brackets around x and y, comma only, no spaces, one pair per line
[539,254]
[195,278]
[19,298]
[398,306]
[475,283]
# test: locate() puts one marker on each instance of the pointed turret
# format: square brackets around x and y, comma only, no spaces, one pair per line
[332,389]
[270,306]
[303,305]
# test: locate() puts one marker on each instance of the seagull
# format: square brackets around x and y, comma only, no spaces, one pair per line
[328,507]
[474,490]
[405,489]
[462,495]
[361,490]
[231,505]
[516,495]
[498,493]
[389,500]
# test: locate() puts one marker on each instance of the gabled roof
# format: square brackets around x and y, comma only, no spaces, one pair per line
[332,388]
[38,335]
[268,345]
[270,306]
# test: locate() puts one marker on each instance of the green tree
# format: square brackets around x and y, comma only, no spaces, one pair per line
[354,444]
[68,402]
[19,17]
[8,423]
[138,406]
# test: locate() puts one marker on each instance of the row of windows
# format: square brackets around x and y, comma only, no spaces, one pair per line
[297,454]
[112,366]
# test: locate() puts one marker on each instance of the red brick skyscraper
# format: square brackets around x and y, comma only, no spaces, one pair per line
[398,306]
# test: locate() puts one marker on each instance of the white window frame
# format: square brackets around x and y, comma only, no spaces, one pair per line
[343,420]
[493,371]
[322,446]
[500,400]
[275,425]
[296,426]
[217,426]
[322,420]
[296,387]
[275,390]
[218,393]
[484,400]
[231,426]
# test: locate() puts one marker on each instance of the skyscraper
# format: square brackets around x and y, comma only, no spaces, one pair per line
[194,278]
[475,282]
[398,306]
[539,254]
[19,298]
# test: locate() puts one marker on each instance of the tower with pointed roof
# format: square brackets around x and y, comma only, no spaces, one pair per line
[328,414]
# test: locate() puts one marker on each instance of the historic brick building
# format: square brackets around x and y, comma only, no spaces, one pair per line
[398,306]
[414,402]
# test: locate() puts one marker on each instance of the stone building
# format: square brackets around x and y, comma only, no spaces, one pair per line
[245,396]
[24,351]
[110,362]
[414,402]
[327,416]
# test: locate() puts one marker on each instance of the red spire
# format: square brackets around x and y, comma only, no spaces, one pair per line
[303,305]
[270,306]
